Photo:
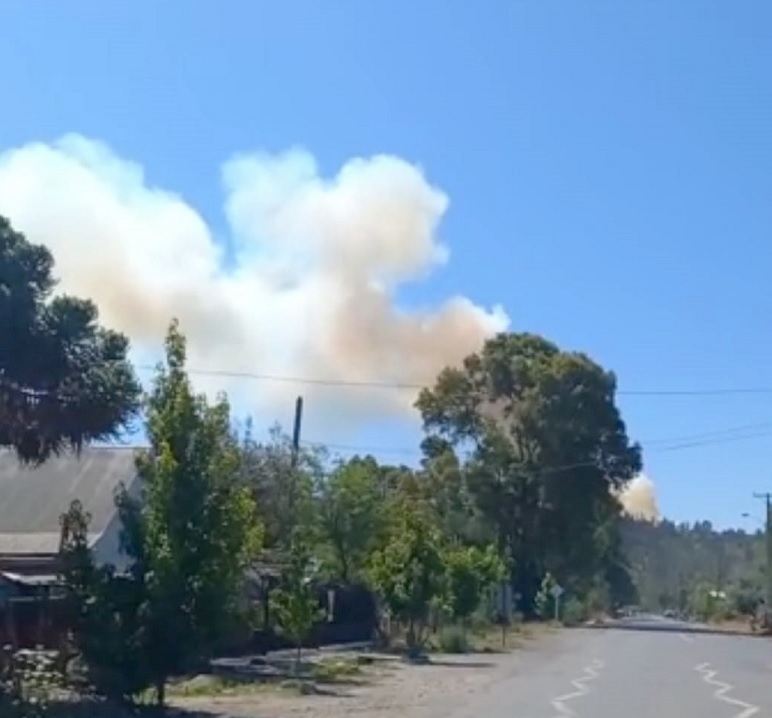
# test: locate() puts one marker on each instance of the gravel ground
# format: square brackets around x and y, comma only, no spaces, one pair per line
[409,691]
[393,689]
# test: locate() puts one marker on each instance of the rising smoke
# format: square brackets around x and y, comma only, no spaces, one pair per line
[639,499]
[307,285]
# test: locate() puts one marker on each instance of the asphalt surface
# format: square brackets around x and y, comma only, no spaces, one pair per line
[675,672]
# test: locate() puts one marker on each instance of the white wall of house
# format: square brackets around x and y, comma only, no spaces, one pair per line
[106,548]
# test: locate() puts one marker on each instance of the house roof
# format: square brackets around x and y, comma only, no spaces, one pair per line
[32,499]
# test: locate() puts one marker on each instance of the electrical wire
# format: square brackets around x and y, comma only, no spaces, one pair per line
[375,384]
[675,444]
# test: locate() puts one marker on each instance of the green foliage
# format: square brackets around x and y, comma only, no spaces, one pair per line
[282,483]
[548,444]
[296,602]
[104,613]
[746,599]
[64,380]
[669,562]
[28,680]
[189,539]
[544,602]
[352,515]
[197,526]
[453,639]
[409,572]
[572,611]
[471,573]
[707,604]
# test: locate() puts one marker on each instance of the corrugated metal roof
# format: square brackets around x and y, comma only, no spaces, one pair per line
[33,499]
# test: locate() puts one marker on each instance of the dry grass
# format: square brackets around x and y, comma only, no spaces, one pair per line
[736,625]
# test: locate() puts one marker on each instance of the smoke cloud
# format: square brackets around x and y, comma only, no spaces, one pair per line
[306,285]
[639,499]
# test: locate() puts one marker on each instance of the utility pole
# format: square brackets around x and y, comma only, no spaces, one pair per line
[767,498]
[296,430]
[293,470]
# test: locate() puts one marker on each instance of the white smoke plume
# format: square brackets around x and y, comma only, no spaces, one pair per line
[307,285]
[639,499]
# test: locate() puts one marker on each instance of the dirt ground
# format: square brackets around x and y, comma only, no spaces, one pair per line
[386,689]
[393,689]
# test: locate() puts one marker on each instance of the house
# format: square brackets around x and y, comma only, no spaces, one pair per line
[32,500]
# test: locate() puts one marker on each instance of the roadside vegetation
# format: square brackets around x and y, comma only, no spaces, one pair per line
[524,454]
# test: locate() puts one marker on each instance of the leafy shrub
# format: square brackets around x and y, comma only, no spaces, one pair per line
[544,602]
[453,639]
[28,680]
[572,611]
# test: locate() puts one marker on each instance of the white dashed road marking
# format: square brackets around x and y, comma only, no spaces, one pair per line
[709,676]
[686,637]
[590,674]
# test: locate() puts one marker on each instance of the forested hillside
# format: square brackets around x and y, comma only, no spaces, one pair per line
[680,566]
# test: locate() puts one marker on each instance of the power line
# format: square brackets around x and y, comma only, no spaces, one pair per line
[698,392]
[716,433]
[709,442]
[379,384]
[286,379]
[415,452]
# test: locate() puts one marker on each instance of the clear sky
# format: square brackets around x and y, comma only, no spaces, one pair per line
[608,167]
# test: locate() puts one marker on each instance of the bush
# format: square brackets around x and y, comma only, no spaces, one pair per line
[572,611]
[453,639]
[27,682]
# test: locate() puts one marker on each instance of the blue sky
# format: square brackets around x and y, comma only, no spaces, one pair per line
[608,165]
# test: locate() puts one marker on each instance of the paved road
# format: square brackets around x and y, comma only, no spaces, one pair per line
[636,674]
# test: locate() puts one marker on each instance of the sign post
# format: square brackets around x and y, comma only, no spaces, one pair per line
[505,610]
[557,592]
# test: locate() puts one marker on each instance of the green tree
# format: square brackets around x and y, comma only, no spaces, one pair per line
[472,571]
[548,446]
[352,515]
[296,602]
[282,483]
[195,530]
[444,486]
[545,599]
[64,380]
[409,572]
[104,611]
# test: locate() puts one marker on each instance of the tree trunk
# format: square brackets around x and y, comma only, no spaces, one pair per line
[410,636]
[160,692]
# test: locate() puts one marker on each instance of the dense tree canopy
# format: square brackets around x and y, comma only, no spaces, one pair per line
[64,380]
[546,446]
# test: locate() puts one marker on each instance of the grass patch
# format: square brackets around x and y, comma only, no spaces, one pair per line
[210,686]
[325,671]
[336,669]
[479,638]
